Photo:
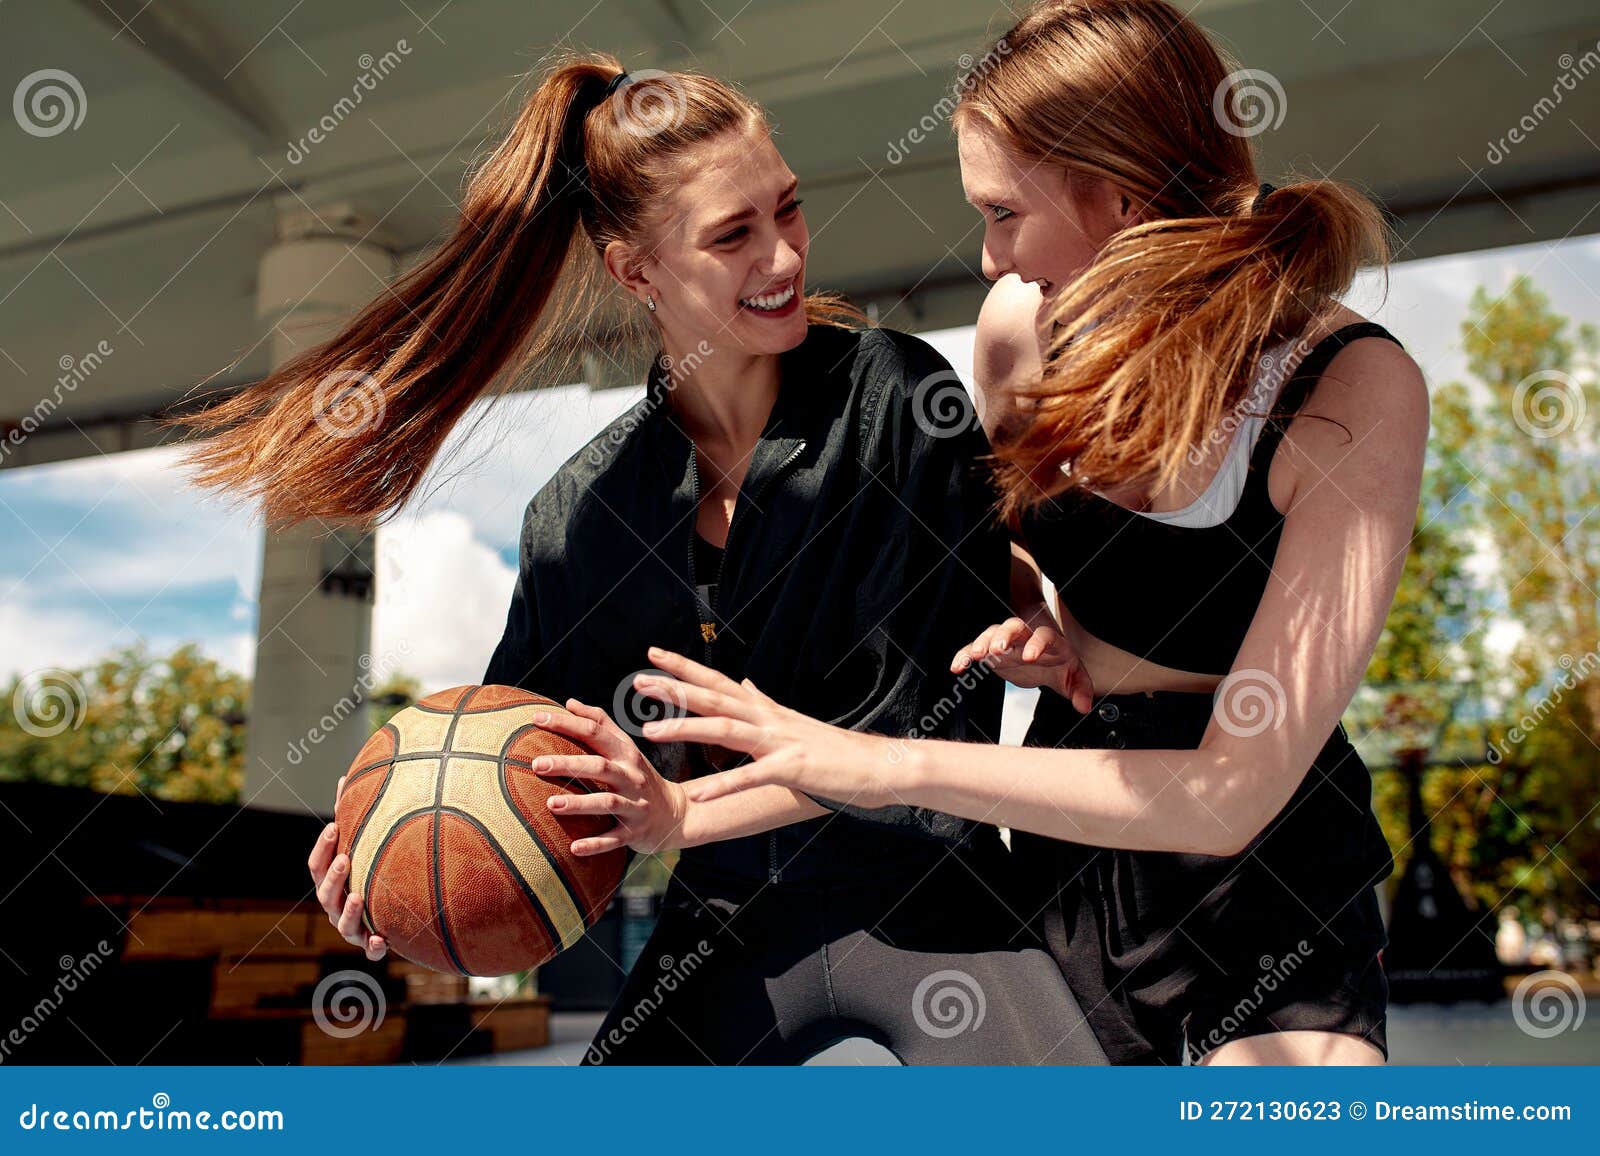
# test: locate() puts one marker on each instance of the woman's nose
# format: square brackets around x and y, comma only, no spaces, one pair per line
[785,257]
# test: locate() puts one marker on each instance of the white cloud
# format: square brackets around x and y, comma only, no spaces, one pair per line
[137,527]
[442,599]
[42,641]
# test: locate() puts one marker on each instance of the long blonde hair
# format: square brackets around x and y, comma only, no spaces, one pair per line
[579,168]
[1165,324]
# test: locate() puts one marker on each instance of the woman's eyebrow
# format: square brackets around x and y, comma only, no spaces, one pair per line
[750,210]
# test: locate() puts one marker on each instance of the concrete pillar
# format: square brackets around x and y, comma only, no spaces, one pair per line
[313,669]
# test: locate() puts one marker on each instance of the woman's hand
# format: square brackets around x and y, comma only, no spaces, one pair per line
[649,809]
[786,747]
[330,874]
[1030,656]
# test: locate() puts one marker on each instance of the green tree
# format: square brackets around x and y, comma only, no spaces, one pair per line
[171,728]
[1511,482]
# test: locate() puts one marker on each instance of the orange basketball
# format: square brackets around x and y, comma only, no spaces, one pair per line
[463,866]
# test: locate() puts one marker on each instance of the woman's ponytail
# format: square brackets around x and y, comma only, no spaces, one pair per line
[345,431]
[1159,338]
[518,284]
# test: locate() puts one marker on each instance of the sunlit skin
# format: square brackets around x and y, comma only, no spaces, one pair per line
[1349,504]
[731,230]
[734,229]
[1037,224]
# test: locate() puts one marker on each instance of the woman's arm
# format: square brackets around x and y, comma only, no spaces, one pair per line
[1344,540]
[745,813]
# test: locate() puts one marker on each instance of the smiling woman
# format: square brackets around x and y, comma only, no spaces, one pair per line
[565,199]
[743,508]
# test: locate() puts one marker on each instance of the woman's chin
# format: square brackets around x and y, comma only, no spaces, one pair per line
[771,334]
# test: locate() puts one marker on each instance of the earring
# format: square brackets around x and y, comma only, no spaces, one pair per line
[651,303]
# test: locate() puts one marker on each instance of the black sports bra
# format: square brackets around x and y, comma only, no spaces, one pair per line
[1180,596]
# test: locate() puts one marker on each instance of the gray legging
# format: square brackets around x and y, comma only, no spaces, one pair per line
[939,968]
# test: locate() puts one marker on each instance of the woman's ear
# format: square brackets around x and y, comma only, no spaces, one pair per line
[622,263]
[1128,211]
[1104,202]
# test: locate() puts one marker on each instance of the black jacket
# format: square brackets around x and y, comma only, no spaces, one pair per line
[861,555]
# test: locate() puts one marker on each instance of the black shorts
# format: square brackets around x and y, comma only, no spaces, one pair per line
[1350,1001]
[1173,954]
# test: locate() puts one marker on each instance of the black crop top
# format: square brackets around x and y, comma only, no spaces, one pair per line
[1180,596]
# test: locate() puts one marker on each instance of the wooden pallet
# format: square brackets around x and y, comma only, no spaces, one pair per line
[267,960]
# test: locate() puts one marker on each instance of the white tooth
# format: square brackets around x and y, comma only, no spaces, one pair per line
[772,300]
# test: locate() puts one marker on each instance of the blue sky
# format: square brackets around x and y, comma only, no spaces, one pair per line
[103,551]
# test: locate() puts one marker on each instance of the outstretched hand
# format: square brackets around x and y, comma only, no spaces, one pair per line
[785,746]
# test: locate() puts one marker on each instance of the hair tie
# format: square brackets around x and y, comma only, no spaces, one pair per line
[1265,191]
[572,173]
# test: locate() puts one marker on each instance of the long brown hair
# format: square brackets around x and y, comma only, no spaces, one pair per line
[1152,344]
[345,431]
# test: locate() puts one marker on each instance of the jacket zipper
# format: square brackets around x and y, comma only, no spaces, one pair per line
[707,607]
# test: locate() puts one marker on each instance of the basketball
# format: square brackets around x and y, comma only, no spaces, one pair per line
[463,866]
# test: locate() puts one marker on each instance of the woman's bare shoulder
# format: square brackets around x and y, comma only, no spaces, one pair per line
[1005,349]
[1374,396]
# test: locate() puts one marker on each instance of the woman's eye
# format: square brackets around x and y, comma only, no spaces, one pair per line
[786,213]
